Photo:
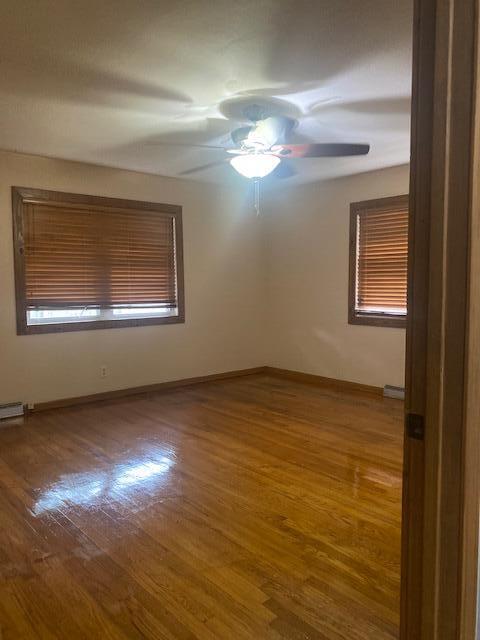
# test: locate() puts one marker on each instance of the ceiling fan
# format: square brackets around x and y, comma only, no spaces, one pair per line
[261,147]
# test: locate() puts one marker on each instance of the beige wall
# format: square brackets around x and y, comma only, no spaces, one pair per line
[222,288]
[258,291]
[306,236]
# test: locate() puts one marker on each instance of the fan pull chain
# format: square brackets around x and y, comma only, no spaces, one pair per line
[257,197]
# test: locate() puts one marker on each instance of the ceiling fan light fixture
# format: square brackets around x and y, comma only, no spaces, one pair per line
[255,165]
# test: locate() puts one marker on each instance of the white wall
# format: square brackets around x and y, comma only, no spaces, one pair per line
[223,292]
[306,240]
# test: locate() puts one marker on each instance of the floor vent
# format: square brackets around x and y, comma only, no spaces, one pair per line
[394,392]
[11,410]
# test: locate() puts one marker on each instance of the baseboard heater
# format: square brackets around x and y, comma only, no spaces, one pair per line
[394,392]
[11,410]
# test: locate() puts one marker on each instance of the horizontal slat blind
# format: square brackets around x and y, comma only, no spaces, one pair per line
[382,252]
[77,257]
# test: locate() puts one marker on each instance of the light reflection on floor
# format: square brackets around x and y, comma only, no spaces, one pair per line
[117,482]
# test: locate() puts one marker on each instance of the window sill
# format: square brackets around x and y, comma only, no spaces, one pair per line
[62,327]
[378,320]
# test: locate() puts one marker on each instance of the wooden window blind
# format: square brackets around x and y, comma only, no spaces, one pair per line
[85,252]
[378,261]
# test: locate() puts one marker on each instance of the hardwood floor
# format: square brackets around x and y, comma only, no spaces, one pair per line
[248,509]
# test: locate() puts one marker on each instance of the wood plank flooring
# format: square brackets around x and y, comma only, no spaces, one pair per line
[247,509]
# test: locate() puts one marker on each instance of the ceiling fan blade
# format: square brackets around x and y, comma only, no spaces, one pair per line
[202,167]
[320,150]
[284,170]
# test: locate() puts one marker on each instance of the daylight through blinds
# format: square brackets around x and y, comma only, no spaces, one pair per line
[382,252]
[78,257]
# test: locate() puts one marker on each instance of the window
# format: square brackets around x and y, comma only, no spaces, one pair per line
[85,262]
[378,262]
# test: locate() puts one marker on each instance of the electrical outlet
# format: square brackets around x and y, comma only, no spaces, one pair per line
[103,371]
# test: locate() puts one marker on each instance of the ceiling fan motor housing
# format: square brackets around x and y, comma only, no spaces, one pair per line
[264,134]
[239,135]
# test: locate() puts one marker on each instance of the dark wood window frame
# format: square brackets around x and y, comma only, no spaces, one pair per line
[354,315]
[22,196]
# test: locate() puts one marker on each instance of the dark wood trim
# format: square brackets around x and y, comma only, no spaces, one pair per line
[471,448]
[441,479]
[411,595]
[380,203]
[354,316]
[376,320]
[25,196]
[65,327]
[298,376]
[19,262]
[321,381]
[39,196]
[150,388]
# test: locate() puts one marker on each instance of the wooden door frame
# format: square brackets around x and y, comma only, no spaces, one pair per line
[441,478]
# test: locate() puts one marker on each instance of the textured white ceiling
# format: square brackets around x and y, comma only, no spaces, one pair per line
[101,80]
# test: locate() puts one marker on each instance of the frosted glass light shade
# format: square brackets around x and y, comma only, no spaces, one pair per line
[255,165]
